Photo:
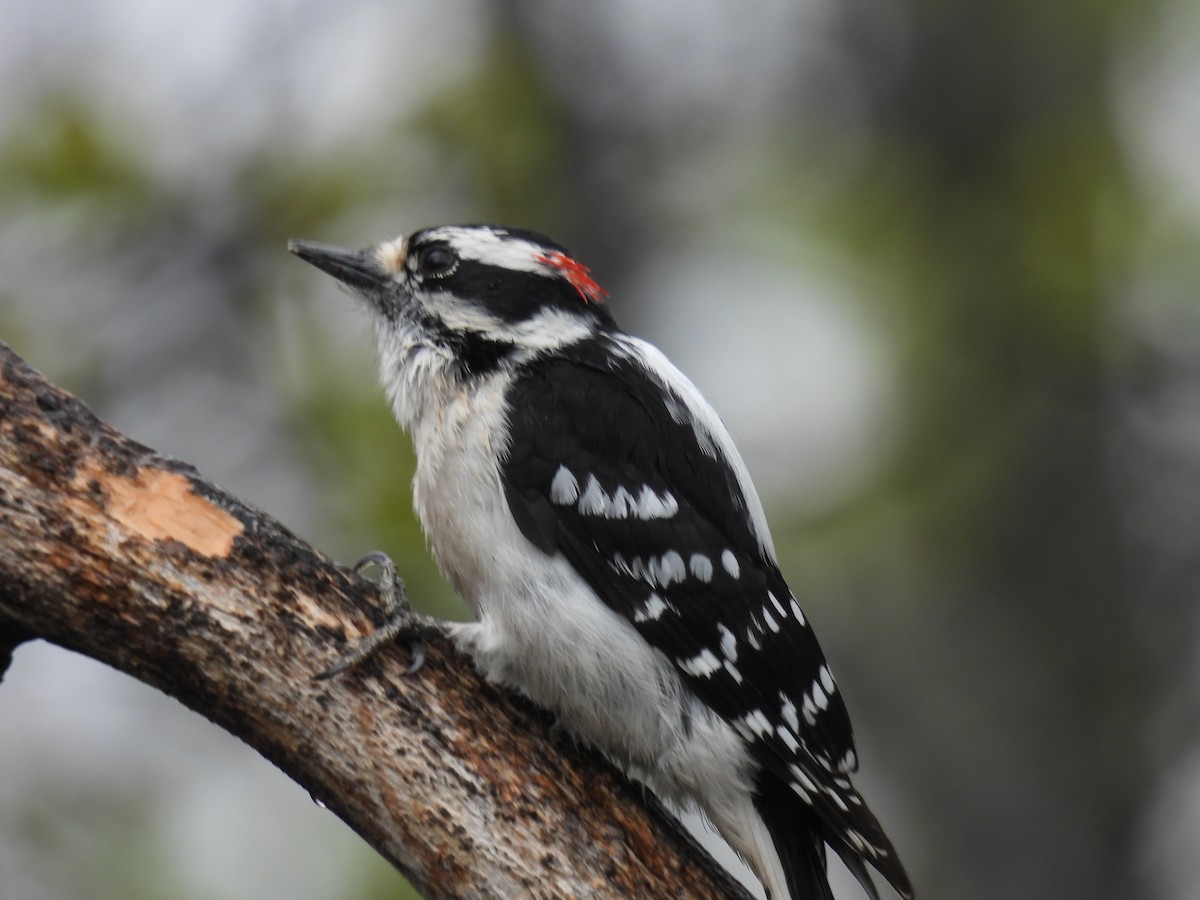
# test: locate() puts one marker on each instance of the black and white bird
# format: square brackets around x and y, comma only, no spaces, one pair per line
[589,505]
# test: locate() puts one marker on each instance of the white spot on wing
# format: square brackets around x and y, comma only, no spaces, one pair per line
[652,506]
[733,671]
[728,643]
[622,504]
[802,779]
[810,711]
[788,710]
[820,700]
[757,723]
[687,405]
[729,561]
[564,489]
[646,570]
[594,501]
[669,568]
[779,606]
[651,610]
[771,623]
[702,665]
[633,567]
[796,611]
[788,738]
[827,680]
[837,799]
[701,567]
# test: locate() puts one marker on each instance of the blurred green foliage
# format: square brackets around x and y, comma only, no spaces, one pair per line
[65,151]
[503,131]
[979,589]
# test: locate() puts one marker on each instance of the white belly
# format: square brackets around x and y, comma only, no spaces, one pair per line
[541,628]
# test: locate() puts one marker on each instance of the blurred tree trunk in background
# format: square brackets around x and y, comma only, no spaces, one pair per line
[999,198]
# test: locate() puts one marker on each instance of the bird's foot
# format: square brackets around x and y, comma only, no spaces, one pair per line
[398,618]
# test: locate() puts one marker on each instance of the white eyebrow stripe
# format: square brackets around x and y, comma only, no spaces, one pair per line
[490,248]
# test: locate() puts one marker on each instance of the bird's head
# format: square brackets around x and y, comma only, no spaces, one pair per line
[482,294]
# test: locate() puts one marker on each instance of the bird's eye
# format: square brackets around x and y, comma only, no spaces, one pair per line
[435,260]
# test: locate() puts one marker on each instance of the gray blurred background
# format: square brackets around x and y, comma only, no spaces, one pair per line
[935,263]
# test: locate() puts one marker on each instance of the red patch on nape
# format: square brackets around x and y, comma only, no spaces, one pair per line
[576,273]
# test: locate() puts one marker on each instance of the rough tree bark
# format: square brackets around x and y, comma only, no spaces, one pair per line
[131,558]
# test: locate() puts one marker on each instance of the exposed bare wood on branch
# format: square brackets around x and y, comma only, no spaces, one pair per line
[131,558]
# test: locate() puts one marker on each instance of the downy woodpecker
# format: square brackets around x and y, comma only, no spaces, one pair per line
[589,505]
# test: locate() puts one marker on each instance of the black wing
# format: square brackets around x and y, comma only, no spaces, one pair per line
[601,470]
[604,467]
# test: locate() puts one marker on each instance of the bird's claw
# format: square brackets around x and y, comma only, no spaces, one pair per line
[398,618]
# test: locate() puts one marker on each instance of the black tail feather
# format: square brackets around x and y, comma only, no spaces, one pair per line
[800,835]
[796,834]
[854,863]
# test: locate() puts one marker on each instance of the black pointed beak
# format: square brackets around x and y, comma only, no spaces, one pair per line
[355,268]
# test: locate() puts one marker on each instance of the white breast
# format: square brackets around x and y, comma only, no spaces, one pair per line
[457,491]
[541,628]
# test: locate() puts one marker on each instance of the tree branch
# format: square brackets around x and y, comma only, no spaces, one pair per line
[131,558]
